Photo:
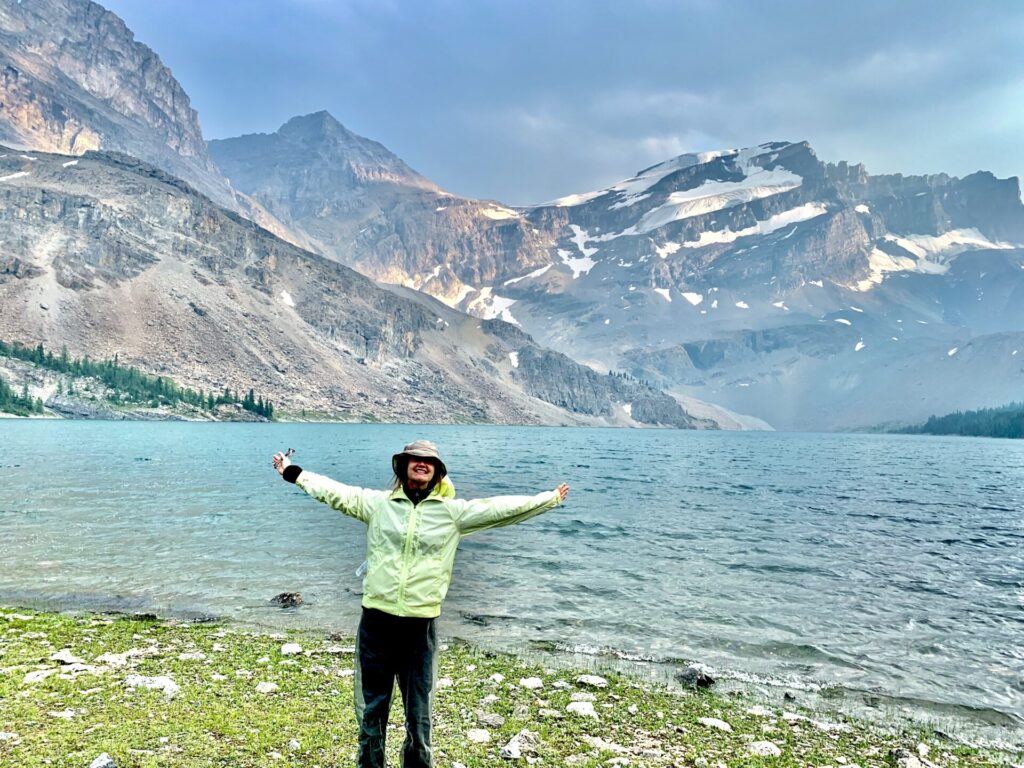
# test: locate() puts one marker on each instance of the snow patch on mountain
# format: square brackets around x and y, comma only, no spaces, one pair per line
[499,212]
[286,299]
[693,298]
[490,305]
[535,273]
[718,195]
[663,292]
[667,249]
[796,215]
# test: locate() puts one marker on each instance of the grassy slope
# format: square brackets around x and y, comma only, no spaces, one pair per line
[219,719]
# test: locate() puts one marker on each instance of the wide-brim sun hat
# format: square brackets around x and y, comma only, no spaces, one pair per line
[421,449]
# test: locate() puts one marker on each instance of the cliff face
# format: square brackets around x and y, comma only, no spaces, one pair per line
[362,205]
[108,255]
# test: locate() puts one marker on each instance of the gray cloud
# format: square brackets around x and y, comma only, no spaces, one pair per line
[529,101]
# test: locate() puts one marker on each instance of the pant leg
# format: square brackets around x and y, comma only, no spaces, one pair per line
[373,686]
[416,681]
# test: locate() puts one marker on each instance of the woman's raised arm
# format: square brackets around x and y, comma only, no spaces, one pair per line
[347,499]
[481,514]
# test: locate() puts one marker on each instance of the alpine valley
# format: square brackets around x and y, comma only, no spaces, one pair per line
[757,287]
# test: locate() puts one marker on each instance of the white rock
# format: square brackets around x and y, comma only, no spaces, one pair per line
[531,683]
[103,761]
[498,677]
[263,660]
[478,735]
[39,675]
[714,722]
[583,709]
[764,748]
[9,736]
[217,648]
[445,682]
[471,667]
[792,717]
[632,709]
[592,680]
[759,711]
[243,673]
[66,657]
[598,743]
[266,687]
[922,749]
[218,677]
[583,696]
[561,684]
[192,656]
[291,649]
[523,742]
[489,699]
[64,714]
[158,683]
[294,745]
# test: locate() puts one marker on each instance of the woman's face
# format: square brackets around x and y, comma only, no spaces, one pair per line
[419,472]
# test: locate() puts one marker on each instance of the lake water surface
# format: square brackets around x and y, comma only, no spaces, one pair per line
[869,570]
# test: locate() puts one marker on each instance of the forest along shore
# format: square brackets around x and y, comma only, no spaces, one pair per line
[145,691]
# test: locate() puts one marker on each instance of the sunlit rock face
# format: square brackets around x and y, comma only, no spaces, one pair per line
[107,255]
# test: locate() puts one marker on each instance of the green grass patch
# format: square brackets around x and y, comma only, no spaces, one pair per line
[219,717]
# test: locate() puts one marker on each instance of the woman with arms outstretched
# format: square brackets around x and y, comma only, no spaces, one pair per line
[413,531]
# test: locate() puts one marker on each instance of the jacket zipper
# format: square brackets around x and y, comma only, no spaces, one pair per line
[406,554]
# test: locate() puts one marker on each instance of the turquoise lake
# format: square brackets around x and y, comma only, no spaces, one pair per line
[874,572]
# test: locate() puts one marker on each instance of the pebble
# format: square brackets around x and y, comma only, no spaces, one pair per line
[592,680]
[291,649]
[103,761]
[764,748]
[632,709]
[471,667]
[478,735]
[217,677]
[531,683]
[445,682]
[714,722]
[294,745]
[583,709]
[266,687]
[498,677]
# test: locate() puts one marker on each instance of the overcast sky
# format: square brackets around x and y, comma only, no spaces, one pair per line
[526,101]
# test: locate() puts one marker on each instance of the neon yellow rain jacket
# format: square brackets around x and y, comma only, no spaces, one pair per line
[411,548]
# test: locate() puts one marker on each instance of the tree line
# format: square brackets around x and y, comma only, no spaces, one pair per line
[21,404]
[128,385]
[1004,421]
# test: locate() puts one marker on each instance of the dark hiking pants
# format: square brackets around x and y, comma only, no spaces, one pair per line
[389,648]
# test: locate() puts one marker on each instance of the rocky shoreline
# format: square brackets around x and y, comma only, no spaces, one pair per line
[102,691]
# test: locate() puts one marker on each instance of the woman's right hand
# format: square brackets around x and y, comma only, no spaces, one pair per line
[281,462]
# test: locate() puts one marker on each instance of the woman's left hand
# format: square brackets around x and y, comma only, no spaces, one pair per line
[563,491]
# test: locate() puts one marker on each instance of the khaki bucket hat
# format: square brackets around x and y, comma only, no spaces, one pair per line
[423,449]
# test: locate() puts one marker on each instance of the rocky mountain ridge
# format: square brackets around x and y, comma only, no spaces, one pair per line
[105,254]
[712,251]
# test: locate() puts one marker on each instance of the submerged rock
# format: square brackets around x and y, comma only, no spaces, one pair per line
[288,599]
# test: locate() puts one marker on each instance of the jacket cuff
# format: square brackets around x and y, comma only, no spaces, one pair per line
[292,472]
